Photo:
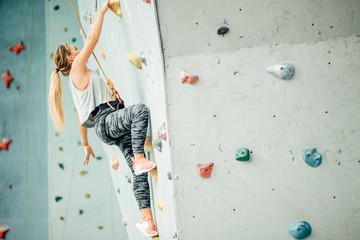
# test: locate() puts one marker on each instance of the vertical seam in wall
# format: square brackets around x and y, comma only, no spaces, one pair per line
[27,114]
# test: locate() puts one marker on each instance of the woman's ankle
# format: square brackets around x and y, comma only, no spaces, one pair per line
[138,156]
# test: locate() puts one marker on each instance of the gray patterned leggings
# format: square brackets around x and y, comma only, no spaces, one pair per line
[126,128]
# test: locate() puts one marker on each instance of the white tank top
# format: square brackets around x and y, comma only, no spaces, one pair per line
[92,96]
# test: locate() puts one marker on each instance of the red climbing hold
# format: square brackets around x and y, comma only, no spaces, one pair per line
[17,48]
[5,143]
[6,76]
[187,77]
[147,1]
[204,170]
[3,231]
[17,87]
[10,186]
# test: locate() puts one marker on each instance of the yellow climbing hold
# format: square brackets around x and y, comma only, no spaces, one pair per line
[155,238]
[100,227]
[159,204]
[57,134]
[153,173]
[134,60]
[114,6]
[148,145]
[86,195]
[83,173]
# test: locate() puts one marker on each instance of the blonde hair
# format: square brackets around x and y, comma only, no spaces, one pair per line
[63,65]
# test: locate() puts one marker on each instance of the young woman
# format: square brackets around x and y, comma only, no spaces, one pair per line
[124,127]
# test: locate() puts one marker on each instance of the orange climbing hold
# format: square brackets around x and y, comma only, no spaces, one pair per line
[147,1]
[114,6]
[204,170]
[162,131]
[3,231]
[6,76]
[17,48]
[5,144]
[102,52]
[115,163]
[187,77]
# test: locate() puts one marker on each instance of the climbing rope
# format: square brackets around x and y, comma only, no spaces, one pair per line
[115,93]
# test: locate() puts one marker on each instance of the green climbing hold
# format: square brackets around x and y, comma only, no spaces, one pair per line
[57,7]
[60,148]
[58,198]
[61,218]
[61,165]
[100,227]
[73,40]
[242,154]
[57,134]
[98,158]
[65,29]
[81,211]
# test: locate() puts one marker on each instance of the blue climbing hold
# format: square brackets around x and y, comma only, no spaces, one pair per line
[300,230]
[282,70]
[311,157]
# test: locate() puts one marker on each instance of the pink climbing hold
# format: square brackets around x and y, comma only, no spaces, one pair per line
[115,163]
[162,131]
[102,52]
[17,48]
[6,76]
[187,77]
[204,170]
[5,143]
[3,231]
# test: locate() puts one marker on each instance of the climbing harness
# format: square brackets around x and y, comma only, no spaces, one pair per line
[115,94]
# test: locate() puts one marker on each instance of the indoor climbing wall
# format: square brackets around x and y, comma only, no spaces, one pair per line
[23,161]
[82,200]
[252,128]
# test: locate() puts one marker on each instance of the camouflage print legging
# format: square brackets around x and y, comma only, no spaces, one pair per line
[126,128]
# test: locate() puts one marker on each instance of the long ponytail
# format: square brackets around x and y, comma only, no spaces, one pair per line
[55,105]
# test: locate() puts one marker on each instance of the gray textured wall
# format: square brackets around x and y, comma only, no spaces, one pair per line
[23,115]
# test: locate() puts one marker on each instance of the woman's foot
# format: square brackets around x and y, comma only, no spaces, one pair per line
[147,227]
[142,165]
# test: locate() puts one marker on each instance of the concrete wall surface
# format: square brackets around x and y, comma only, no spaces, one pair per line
[236,103]
[23,167]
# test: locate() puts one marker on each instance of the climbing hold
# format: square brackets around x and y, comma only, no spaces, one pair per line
[204,170]
[102,51]
[300,230]
[3,230]
[6,76]
[79,143]
[98,158]
[118,190]
[17,48]
[100,227]
[132,188]
[61,165]
[147,1]
[282,70]
[57,7]
[73,40]
[114,6]
[17,87]
[128,178]
[115,163]
[159,204]
[158,144]
[155,238]
[311,157]
[187,77]
[5,144]
[81,212]
[222,31]
[148,146]
[10,186]
[162,131]
[134,60]
[60,148]
[86,195]
[62,218]
[65,29]
[143,58]
[83,173]
[57,134]
[169,175]
[242,154]
[153,173]
[58,198]
[124,222]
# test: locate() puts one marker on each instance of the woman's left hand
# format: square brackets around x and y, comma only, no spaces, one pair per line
[88,151]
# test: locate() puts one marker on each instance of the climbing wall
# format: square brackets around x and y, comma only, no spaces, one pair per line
[82,199]
[236,104]
[23,162]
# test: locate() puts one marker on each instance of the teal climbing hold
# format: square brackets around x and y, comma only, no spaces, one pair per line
[242,154]
[98,158]
[311,157]
[58,198]
[118,190]
[300,230]
[61,165]
[57,7]
[81,212]
[73,40]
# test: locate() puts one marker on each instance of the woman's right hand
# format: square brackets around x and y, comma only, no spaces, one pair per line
[88,151]
[105,6]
